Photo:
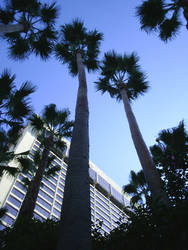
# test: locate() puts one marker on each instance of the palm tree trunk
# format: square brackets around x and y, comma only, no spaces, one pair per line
[9,28]
[75,232]
[150,172]
[29,202]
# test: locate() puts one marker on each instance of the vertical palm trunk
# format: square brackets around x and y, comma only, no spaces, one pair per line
[9,28]
[150,172]
[75,232]
[29,202]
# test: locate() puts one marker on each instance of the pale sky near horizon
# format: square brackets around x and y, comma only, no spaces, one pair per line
[165,64]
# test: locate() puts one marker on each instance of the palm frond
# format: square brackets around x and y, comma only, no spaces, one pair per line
[37,123]
[117,69]
[169,28]
[6,84]
[49,12]
[151,14]
[74,38]
[52,171]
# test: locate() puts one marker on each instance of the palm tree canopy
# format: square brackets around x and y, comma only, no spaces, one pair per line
[171,150]
[14,103]
[38,20]
[137,187]
[116,70]
[162,16]
[53,122]
[74,38]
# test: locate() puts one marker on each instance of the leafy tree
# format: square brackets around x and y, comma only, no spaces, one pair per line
[51,127]
[163,16]
[29,27]
[122,78]
[78,48]
[170,155]
[137,188]
[14,108]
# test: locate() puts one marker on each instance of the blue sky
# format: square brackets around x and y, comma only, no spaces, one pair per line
[165,64]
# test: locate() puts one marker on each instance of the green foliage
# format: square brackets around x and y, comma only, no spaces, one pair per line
[116,70]
[75,38]
[14,108]
[137,188]
[38,20]
[163,17]
[30,235]
[170,156]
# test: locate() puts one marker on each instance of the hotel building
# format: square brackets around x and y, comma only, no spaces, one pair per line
[106,196]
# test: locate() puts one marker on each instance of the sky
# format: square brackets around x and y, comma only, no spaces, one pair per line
[162,107]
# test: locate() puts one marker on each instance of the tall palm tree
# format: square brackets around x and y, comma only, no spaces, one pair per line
[51,127]
[122,78]
[137,188]
[29,27]
[163,16]
[78,48]
[15,106]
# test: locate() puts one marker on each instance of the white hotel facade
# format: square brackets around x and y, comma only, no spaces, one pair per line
[107,199]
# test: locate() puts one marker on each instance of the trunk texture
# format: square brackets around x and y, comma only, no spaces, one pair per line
[150,172]
[29,202]
[9,28]
[75,231]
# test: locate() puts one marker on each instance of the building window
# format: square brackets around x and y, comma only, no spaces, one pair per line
[56,212]
[48,190]
[47,182]
[18,193]
[42,211]
[60,192]
[11,210]
[44,195]
[57,205]
[21,186]
[8,220]
[106,208]
[59,198]
[44,203]
[14,201]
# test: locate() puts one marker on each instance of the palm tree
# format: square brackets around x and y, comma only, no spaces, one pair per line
[51,127]
[163,16]
[171,158]
[137,188]
[28,27]
[14,108]
[122,78]
[78,48]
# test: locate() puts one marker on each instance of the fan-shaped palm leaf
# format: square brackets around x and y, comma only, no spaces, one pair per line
[162,16]
[28,27]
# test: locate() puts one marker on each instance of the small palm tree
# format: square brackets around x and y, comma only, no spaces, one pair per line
[162,16]
[78,48]
[137,188]
[28,26]
[51,127]
[171,158]
[122,78]
[14,108]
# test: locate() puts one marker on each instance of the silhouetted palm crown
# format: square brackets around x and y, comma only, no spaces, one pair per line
[39,33]
[171,150]
[137,187]
[118,71]
[163,16]
[14,107]
[75,38]
[53,123]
